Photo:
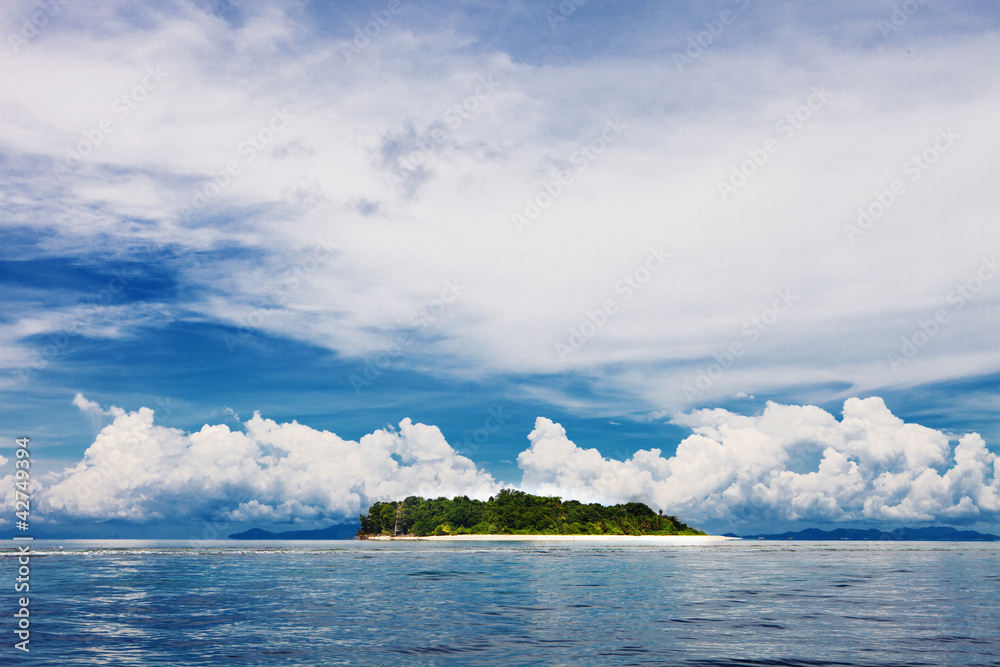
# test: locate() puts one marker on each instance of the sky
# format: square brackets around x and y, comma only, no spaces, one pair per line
[264,264]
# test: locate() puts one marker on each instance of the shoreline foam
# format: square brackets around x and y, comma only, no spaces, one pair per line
[680,540]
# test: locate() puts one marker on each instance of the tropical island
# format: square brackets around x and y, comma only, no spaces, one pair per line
[513,512]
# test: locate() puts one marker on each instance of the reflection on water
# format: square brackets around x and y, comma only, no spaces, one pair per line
[306,603]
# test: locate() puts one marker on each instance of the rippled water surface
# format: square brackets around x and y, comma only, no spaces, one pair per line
[363,603]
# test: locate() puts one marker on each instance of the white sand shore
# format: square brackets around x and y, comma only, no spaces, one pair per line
[638,540]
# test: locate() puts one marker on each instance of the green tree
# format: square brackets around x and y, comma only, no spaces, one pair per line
[519,512]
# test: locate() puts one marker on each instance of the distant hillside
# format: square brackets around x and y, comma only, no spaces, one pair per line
[516,512]
[935,534]
[335,532]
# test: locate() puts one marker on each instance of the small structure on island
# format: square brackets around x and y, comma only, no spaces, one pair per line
[399,520]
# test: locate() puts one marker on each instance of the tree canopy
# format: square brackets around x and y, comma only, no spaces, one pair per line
[519,513]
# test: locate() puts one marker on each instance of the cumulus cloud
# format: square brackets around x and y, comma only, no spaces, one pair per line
[94,409]
[138,471]
[791,463]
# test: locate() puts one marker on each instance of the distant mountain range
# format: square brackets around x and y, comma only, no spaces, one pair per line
[934,534]
[334,532]
[349,530]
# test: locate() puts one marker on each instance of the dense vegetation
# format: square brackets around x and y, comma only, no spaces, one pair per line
[516,512]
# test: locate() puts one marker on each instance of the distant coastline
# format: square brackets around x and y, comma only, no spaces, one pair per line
[334,532]
[932,534]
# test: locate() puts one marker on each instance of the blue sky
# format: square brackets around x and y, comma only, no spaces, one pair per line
[561,237]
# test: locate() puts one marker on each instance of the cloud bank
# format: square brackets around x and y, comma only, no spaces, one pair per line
[791,463]
[788,464]
[273,473]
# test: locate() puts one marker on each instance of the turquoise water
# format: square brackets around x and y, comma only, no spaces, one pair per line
[119,602]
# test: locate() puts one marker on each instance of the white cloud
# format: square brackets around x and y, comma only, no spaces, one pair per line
[655,185]
[138,471]
[788,464]
[94,409]
[791,463]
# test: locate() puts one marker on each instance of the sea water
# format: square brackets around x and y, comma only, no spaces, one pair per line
[117,602]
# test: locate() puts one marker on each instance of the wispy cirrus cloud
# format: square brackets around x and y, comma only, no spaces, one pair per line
[175,100]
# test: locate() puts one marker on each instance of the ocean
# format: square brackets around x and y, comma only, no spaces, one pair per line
[120,602]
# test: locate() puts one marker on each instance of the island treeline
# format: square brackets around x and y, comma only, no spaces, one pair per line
[519,513]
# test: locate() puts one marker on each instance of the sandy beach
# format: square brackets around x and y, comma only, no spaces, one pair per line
[637,540]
